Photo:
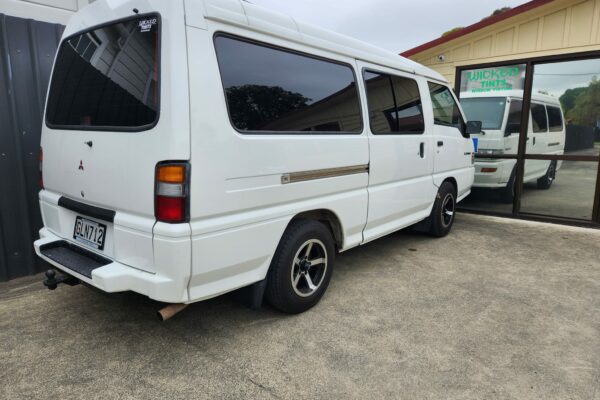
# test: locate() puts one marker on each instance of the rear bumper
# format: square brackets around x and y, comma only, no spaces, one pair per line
[117,277]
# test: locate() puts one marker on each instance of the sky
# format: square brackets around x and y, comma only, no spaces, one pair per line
[395,25]
[556,78]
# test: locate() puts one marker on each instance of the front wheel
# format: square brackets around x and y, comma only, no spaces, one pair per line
[507,193]
[548,179]
[301,268]
[444,210]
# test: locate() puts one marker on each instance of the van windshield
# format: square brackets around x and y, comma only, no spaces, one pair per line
[488,110]
[107,78]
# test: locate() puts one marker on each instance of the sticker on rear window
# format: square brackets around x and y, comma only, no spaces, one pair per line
[146,24]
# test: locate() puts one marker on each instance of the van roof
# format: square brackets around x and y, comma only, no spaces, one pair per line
[540,97]
[243,13]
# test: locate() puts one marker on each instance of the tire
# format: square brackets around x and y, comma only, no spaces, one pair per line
[294,284]
[545,182]
[444,210]
[507,194]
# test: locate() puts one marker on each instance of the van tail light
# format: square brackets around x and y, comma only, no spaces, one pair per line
[172,200]
[41,168]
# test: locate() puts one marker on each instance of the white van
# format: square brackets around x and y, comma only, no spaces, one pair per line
[191,148]
[501,123]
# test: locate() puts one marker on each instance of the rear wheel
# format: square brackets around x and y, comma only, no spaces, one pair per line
[301,268]
[444,210]
[547,180]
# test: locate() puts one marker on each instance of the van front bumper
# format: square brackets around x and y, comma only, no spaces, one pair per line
[496,179]
[117,277]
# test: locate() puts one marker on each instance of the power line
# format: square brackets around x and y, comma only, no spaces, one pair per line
[582,74]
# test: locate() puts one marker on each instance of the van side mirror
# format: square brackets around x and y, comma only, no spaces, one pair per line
[511,128]
[473,127]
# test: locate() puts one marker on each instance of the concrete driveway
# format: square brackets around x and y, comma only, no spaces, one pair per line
[498,309]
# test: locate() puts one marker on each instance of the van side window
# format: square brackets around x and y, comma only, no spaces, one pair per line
[538,118]
[554,119]
[394,104]
[445,109]
[276,90]
[513,122]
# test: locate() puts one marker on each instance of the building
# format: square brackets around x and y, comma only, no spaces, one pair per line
[548,47]
[30,33]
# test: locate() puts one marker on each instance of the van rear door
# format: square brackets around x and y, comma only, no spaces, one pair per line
[105,128]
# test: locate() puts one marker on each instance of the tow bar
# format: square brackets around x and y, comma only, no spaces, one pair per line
[53,280]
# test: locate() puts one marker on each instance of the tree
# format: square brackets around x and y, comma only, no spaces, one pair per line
[567,100]
[586,110]
[458,28]
[497,11]
[253,106]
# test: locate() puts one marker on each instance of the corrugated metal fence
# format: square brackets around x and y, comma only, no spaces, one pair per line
[27,50]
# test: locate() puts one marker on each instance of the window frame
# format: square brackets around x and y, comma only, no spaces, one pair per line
[256,42]
[390,75]
[105,128]
[521,156]
[456,102]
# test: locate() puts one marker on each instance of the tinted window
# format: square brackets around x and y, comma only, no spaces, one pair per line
[394,104]
[513,122]
[445,109]
[269,89]
[555,119]
[107,77]
[538,118]
[488,110]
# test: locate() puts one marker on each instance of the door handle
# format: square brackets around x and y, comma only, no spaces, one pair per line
[440,143]
[422,149]
[534,140]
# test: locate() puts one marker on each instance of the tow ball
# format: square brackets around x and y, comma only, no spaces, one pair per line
[53,280]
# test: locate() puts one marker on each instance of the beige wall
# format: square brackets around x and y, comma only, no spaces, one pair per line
[562,26]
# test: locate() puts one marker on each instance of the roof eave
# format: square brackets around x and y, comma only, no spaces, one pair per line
[477,26]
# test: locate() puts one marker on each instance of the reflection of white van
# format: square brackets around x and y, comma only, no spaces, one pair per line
[203,146]
[501,121]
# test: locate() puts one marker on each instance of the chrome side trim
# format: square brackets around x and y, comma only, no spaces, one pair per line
[301,176]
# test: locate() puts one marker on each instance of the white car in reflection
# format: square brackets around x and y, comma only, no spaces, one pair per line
[500,114]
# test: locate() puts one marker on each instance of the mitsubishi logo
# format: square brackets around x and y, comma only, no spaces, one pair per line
[81,165]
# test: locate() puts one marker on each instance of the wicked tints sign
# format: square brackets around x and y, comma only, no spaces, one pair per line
[494,79]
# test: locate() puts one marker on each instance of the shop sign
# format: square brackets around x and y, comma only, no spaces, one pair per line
[495,79]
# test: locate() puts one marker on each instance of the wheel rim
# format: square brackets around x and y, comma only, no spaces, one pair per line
[309,267]
[448,206]
[551,173]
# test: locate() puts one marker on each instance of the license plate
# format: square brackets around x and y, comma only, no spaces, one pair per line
[89,232]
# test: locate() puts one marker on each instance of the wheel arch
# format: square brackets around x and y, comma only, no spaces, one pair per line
[452,181]
[329,219]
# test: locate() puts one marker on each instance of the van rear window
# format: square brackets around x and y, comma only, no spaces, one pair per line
[107,78]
